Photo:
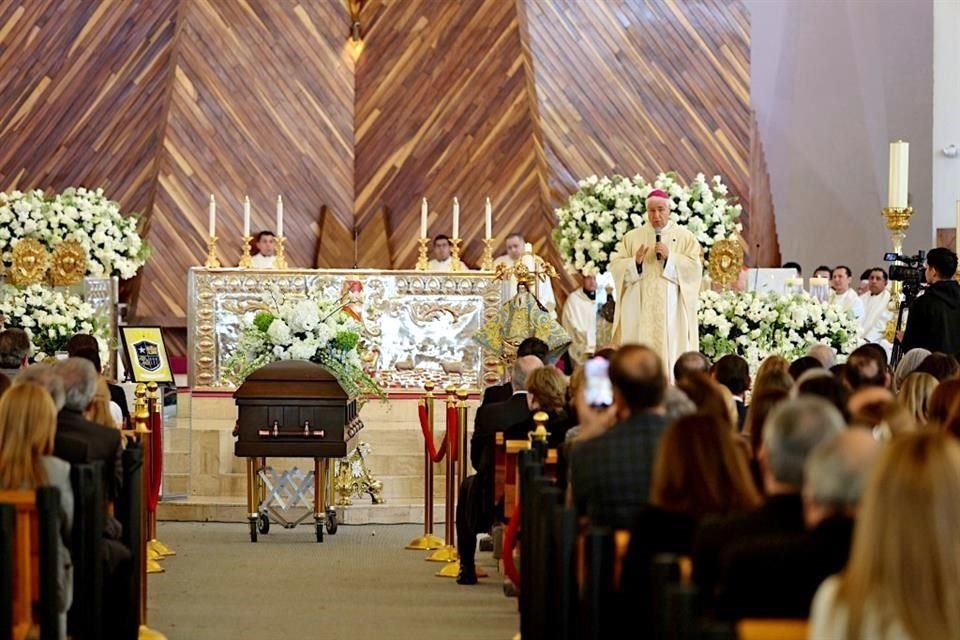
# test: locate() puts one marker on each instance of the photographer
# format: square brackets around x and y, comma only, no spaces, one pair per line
[934,320]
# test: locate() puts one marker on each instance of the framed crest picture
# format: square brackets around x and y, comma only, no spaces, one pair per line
[146,354]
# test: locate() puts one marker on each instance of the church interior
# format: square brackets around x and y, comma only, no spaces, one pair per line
[479,319]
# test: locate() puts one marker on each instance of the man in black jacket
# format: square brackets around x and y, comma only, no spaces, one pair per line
[475,508]
[529,347]
[934,318]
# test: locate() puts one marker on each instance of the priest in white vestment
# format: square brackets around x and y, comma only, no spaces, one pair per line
[579,319]
[875,311]
[657,271]
[265,246]
[440,249]
[842,294]
[516,246]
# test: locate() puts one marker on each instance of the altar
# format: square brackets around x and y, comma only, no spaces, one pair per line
[417,325]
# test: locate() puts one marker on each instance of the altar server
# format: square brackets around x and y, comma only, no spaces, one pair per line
[265,250]
[842,294]
[441,255]
[875,311]
[580,319]
[516,246]
[657,271]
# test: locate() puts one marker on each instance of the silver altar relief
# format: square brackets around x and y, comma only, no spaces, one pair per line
[417,326]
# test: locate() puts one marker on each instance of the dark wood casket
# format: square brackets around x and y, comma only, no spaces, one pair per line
[292,409]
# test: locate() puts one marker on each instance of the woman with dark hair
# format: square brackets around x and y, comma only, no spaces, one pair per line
[940,365]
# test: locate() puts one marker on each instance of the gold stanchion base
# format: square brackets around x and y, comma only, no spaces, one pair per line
[160,549]
[146,633]
[447,553]
[153,554]
[452,570]
[154,567]
[425,543]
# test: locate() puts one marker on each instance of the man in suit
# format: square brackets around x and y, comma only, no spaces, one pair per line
[733,372]
[14,351]
[690,362]
[792,430]
[612,461]
[778,576]
[529,347]
[79,379]
[475,508]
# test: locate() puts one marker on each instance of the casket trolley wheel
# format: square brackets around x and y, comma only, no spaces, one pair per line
[332,521]
[263,523]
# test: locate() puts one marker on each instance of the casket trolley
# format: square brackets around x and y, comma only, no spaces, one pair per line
[292,409]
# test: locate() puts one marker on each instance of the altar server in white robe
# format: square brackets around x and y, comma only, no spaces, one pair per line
[657,271]
[516,246]
[580,320]
[265,245]
[875,311]
[842,294]
[441,255]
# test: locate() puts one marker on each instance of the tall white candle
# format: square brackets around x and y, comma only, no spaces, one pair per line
[488,220]
[899,174]
[424,210]
[212,223]
[456,218]
[246,216]
[280,216]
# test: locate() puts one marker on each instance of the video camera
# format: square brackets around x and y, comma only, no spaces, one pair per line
[909,271]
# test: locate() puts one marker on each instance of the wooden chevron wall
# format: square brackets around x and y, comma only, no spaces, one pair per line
[163,102]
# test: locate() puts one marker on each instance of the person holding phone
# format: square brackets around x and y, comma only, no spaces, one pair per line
[657,270]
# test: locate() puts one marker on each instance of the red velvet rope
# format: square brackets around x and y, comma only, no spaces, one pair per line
[509,540]
[452,437]
[156,462]
[435,455]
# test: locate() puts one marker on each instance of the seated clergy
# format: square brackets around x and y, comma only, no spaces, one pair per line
[580,319]
[516,246]
[264,250]
[842,294]
[875,311]
[440,249]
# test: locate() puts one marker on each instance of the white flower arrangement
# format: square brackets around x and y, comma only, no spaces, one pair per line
[603,210]
[756,325]
[50,317]
[110,239]
[304,329]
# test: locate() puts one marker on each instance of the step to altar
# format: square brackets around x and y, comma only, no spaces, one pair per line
[231,509]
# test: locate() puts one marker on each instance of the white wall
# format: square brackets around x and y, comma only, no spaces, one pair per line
[833,82]
[946,111]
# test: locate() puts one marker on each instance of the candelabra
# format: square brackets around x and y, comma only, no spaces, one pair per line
[280,261]
[455,263]
[486,261]
[898,221]
[213,262]
[245,259]
[422,254]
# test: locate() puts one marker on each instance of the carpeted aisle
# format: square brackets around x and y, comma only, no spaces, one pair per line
[360,583]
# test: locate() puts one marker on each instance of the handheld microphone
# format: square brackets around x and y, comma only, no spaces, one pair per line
[659,257]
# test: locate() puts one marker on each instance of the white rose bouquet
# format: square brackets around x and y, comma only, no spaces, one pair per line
[50,318]
[755,325]
[305,329]
[110,239]
[603,210]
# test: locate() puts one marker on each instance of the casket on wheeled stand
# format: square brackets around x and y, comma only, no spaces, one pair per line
[292,409]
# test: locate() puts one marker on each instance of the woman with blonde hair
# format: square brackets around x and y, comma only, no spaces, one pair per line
[28,422]
[101,409]
[903,577]
[547,391]
[914,394]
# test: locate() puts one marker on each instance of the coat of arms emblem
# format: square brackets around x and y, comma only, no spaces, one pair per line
[148,355]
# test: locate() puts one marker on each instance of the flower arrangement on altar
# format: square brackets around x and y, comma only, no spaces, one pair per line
[602,210]
[305,329]
[110,239]
[756,325]
[50,318]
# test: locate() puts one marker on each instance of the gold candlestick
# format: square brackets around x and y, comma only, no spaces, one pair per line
[245,259]
[455,263]
[422,262]
[280,261]
[898,221]
[486,261]
[213,262]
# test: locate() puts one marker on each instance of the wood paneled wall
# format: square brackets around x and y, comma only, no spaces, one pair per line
[163,102]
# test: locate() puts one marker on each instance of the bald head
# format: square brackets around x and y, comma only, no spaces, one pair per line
[836,472]
[824,353]
[521,369]
[638,378]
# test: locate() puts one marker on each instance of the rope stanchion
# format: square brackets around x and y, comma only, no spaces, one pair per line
[155,467]
[428,541]
[448,553]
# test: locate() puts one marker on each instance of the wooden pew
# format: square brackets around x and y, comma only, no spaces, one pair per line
[85,621]
[29,563]
[756,629]
[506,472]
